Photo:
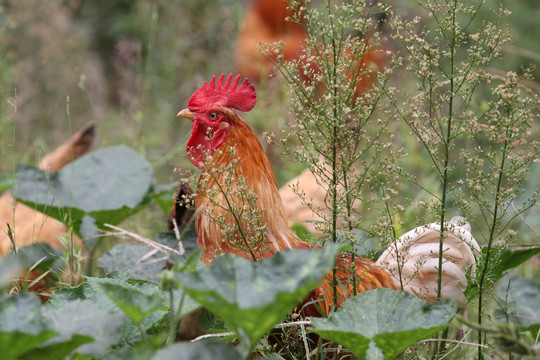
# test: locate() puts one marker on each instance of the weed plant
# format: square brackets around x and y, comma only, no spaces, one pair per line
[479,155]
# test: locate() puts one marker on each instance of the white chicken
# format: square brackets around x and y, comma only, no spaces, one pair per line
[413,261]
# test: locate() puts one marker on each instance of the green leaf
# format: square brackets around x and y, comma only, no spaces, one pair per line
[16,343]
[251,297]
[89,232]
[525,297]
[210,323]
[9,268]
[140,351]
[301,231]
[510,259]
[45,256]
[84,317]
[198,350]
[191,263]
[381,323]
[109,184]
[127,256]
[58,350]
[133,302]
[22,313]
[21,326]
[93,291]
[162,196]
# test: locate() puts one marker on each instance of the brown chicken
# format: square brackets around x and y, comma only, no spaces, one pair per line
[216,125]
[269,22]
[28,224]
[237,179]
[264,22]
[31,226]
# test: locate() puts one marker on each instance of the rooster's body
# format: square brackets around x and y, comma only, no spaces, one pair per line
[216,129]
[255,168]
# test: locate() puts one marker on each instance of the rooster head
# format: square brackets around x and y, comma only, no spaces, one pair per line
[210,108]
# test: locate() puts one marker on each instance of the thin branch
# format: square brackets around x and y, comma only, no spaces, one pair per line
[153,244]
[231,333]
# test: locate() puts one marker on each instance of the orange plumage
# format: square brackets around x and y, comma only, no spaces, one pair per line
[264,22]
[213,207]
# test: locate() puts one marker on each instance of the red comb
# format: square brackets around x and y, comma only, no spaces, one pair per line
[225,94]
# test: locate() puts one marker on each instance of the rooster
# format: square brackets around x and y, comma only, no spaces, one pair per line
[216,129]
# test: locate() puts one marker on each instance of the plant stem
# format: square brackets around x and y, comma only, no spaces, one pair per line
[334,145]
[172,322]
[481,282]
[445,181]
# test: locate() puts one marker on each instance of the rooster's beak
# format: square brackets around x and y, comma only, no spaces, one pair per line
[186,114]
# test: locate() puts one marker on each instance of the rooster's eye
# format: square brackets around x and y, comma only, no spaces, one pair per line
[213,115]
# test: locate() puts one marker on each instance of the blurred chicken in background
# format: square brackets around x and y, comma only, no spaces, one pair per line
[266,21]
[29,225]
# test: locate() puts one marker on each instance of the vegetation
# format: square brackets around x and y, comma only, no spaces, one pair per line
[449,128]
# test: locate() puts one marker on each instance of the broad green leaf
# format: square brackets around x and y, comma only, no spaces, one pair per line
[251,297]
[210,323]
[91,290]
[84,317]
[524,295]
[191,263]
[133,302]
[14,344]
[180,297]
[510,259]
[21,326]
[44,192]
[139,351]
[381,323]
[58,350]
[9,268]
[198,350]
[94,291]
[40,256]
[89,232]
[128,256]
[109,184]
[22,313]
